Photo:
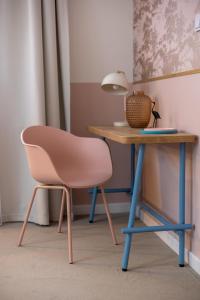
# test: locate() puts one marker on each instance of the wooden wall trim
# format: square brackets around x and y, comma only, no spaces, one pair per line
[178,74]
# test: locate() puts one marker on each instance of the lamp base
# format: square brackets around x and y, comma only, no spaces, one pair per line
[120,124]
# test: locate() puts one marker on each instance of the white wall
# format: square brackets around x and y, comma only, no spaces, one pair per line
[100,38]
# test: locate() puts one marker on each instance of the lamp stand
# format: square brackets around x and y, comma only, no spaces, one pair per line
[122,123]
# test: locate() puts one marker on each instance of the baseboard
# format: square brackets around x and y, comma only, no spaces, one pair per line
[13,218]
[171,240]
[115,208]
[18,218]
[194,262]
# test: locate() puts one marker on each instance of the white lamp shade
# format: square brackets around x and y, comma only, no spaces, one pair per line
[115,83]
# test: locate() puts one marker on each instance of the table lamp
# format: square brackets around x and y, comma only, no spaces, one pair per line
[117,84]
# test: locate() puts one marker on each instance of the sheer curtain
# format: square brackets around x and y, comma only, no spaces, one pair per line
[34,89]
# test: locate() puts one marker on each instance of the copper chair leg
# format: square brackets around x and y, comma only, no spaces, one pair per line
[69,230]
[108,215]
[26,218]
[61,212]
[71,201]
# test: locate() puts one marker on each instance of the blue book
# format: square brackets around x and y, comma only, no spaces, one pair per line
[158,131]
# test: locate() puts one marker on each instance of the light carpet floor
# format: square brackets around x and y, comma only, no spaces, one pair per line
[39,270]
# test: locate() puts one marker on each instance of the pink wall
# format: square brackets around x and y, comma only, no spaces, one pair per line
[100,45]
[165,42]
[179,107]
[178,104]
[90,105]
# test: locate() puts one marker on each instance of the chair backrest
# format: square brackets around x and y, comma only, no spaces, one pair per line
[52,151]
[39,161]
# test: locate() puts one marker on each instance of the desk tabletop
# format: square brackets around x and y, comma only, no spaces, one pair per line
[128,135]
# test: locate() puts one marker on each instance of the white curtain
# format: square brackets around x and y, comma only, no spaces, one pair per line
[34,89]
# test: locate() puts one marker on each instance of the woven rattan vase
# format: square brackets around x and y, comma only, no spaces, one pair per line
[138,110]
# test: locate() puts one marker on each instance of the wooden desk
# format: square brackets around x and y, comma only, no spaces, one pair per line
[127,135]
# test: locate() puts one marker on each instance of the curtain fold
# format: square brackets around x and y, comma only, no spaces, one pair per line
[34,89]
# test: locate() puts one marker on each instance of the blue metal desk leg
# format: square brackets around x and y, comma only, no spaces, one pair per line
[134,200]
[94,199]
[132,167]
[93,204]
[182,203]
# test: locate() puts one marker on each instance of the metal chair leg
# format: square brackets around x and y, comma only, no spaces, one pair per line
[72,209]
[108,215]
[69,230]
[61,212]
[27,217]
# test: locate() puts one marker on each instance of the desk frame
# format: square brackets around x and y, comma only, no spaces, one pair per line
[136,178]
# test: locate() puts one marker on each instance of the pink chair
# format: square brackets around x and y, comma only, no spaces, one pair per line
[59,160]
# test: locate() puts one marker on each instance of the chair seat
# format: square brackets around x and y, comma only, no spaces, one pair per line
[84,179]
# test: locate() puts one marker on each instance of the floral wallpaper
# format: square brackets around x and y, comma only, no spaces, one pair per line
[164,38]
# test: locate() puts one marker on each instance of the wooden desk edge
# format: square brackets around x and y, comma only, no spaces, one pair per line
[107,132]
